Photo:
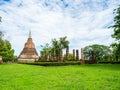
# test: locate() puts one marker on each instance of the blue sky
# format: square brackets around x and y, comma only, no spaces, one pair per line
[84,22]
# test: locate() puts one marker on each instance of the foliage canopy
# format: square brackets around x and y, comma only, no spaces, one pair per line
[100,51]
[116,34]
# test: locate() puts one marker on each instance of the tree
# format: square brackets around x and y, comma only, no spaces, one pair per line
[63,42]
[116,51]
[0,19]
[46,51]
[60,44]
[1,35]
[71,58]
[6,50]
[100,51]
[116,34]
[57,45]
[116,25]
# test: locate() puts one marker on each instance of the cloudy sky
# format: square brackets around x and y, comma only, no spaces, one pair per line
[84,22]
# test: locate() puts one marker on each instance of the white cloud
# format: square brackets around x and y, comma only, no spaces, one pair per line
[84,22]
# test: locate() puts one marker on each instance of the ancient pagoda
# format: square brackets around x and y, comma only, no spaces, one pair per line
[29,53]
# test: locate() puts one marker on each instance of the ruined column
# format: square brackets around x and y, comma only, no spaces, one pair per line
[54,56]
[46,57]
[77,54]
[93,59]
[49,55]
[41,53]
[67,53]
[73,54]
[61,55]
[82,55]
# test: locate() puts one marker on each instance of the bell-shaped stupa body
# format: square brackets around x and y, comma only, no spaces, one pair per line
[29,53]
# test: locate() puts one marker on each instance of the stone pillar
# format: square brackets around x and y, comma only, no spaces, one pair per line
[41,53]
[49,55]
[77,54]
[61,55]
[1,60]
[82,55]
[67,52]
[46,57]
[93,58]
[54,56]
[73,54]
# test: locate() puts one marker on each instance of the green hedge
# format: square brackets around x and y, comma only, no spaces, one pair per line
[51,63]
[109,62]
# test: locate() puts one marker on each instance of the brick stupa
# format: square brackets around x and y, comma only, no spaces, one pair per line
[29,53]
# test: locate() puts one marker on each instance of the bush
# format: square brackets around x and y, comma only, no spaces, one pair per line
[51,63]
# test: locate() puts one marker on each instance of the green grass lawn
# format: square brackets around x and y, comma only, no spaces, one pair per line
[79,77]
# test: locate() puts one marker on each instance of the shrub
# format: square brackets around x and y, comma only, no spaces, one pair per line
[51,63]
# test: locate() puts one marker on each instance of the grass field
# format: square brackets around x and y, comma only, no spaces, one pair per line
[76,77]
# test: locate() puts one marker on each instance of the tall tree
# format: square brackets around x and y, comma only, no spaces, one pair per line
[116,34]
[6,50]
[56,45]
[60,44]
[0,18]
[46,51]
[1,35]
[63,42]
[70,57]
[100,51]
[116,25]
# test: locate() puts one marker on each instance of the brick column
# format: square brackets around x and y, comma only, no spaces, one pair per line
[82,55]
[41,53]
[93,59]
[54,56]
[46,57]
[49,55]
[77,54]
[73,54]
[61,55]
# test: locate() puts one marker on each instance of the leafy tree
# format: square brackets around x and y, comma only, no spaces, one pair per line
[100,51]
[0,19]
[70,57]
[6,50]
[116,26]
[1,35]
[57,45]
[60,44]
[116,51]
[46,50]
[63,42]
[116,34]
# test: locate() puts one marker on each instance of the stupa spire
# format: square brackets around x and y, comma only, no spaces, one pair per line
[30,34]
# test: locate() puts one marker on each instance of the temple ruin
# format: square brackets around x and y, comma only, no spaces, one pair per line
[29,53]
